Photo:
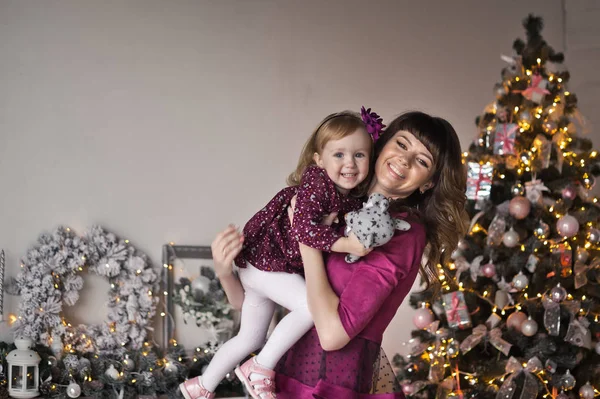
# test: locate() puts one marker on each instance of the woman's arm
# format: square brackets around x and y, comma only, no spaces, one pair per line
[225,247]
[322,301]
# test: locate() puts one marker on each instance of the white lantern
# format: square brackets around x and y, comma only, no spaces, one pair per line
[23,370]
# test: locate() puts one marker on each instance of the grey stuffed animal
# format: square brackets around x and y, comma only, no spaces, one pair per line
[373,225]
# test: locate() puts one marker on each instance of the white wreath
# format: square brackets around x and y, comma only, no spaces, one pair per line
[51,276]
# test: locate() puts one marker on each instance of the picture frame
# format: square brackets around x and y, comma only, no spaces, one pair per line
[183,266]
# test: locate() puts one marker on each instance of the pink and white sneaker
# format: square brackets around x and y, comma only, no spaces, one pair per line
[261,388]
[193,389]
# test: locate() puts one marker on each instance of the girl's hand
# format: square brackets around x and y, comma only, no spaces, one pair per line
[225,247]
[350,245]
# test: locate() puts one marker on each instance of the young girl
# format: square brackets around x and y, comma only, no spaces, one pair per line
[330,178]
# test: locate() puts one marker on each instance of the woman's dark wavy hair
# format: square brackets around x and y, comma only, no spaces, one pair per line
[441,208]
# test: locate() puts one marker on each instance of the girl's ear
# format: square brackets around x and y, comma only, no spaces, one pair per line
[318,160]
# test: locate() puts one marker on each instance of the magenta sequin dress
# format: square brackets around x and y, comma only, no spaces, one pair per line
[270,242]
[370,291]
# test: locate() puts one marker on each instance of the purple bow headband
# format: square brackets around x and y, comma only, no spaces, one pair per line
[373,122]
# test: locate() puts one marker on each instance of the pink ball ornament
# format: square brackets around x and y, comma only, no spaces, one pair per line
[423,317]
[408,388]
[488,270]
[569,193]
[567,226]
[515,320]
[519,207]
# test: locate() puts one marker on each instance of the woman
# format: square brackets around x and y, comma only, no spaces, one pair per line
[418,167]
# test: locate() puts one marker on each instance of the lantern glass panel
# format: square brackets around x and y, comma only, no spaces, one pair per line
[30,377]
[17,377]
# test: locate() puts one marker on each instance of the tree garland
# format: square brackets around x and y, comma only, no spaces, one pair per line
[51,276]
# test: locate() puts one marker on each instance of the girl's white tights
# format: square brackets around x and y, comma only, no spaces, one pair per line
[262,291]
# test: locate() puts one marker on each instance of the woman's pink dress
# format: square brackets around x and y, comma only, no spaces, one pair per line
[370,291]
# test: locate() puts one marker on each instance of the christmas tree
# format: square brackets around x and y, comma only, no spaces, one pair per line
[517,315]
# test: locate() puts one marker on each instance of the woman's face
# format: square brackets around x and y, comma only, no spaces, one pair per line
[403,166]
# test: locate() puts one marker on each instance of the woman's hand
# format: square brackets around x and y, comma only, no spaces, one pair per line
[328,220]
[225,247]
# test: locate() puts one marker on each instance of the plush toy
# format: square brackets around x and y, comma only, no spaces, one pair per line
[373,225]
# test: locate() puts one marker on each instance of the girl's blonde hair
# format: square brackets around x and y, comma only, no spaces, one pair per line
[441,208]
[333,127]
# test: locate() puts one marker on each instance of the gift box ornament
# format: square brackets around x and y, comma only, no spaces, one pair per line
[504,138]
[456,309]
[537,89]
[479,180]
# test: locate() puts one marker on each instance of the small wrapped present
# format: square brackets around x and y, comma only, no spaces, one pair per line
[456,309]
[504,138]
[479,180]
[537,89]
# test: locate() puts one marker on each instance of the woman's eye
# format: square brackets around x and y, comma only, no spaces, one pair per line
[401,145]
[425,164]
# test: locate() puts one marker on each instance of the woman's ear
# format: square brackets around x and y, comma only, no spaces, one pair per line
[426,187]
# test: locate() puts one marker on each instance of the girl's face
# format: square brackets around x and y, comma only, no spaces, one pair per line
[403,166]
[346,161]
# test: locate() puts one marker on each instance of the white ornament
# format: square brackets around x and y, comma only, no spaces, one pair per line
[112,372]
[73,390]
[510,238]
[520,281]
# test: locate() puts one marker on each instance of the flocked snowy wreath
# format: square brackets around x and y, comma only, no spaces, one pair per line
[51,276]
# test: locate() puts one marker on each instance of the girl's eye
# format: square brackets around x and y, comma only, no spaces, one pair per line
[425,164]
[401,145]
[360,155]
[338,155]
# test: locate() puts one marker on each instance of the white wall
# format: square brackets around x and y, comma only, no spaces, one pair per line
[163,121]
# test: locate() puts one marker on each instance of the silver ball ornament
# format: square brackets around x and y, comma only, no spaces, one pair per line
[128,363]
[587,391]
[593,235]
[170,368]
[112,372]
[518,189]
[200,287]
[542,230]
[550,127]
[73,390]
[453,348]
[520,281]
[567,226]
[510,238]
[529,327]
[582,255]
[558,293]
[519,207]
[567,381]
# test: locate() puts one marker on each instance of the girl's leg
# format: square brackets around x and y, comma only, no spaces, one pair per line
[289,291]
[257,312]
